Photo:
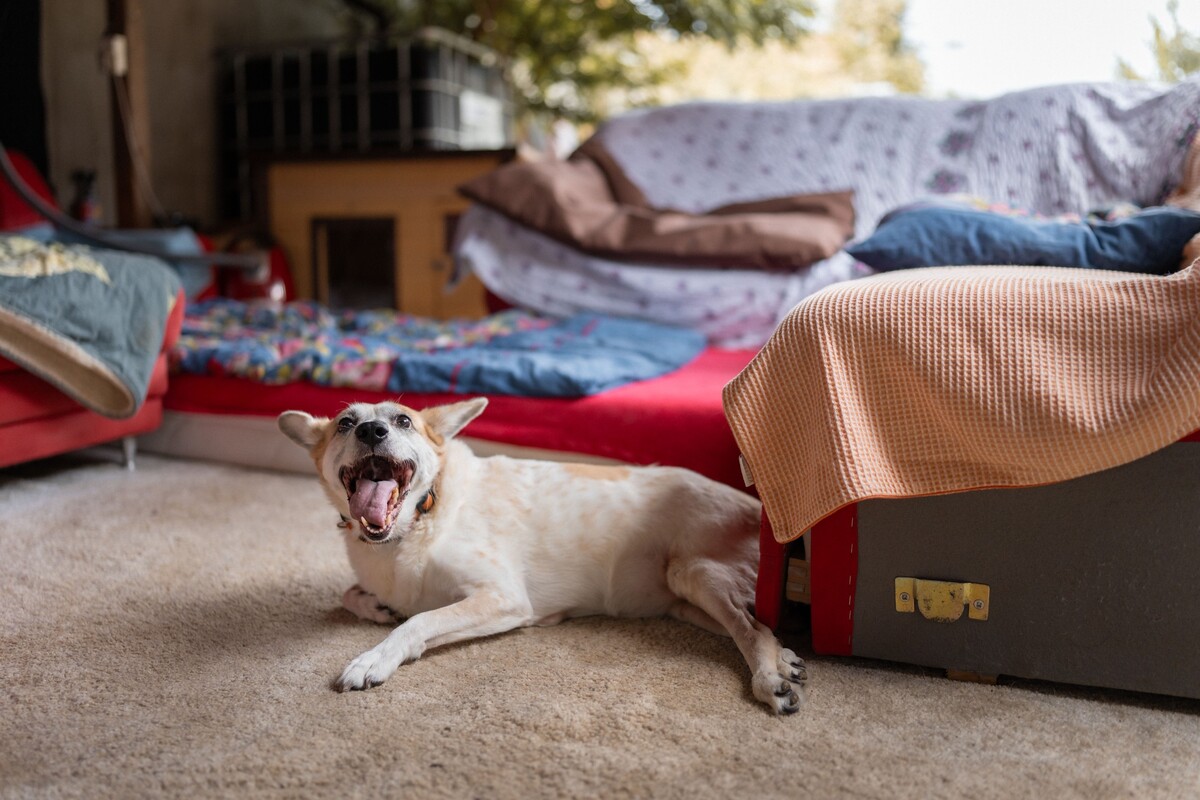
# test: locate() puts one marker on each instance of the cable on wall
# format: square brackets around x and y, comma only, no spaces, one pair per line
[248,262]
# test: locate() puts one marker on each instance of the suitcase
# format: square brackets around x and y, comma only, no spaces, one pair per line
[1090,581]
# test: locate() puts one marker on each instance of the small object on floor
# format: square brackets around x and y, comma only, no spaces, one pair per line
[967,676]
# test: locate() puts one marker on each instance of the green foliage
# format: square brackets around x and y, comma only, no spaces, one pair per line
[565,52]
[869,38]
[1176,52]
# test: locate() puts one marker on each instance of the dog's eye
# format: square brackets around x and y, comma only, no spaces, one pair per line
[345,424]
[403,421]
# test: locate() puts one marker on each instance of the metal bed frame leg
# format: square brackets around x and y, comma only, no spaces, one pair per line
[128,452]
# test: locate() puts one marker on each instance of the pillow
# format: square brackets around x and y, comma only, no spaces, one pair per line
[574,202]
[926,234]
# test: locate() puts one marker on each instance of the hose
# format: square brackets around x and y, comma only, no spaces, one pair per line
[250,263]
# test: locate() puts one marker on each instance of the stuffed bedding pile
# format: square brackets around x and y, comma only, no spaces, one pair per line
[1050,151]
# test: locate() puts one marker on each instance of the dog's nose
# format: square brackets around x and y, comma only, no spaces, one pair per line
[371,432]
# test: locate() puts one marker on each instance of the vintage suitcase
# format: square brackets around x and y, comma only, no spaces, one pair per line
[1092,581]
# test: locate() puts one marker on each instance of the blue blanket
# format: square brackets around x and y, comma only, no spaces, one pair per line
[513,352]
[90,321]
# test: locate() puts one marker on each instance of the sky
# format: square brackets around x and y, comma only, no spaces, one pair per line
[981,48]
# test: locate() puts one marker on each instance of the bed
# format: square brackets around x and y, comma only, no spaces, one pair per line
[1050,150]
[222,406]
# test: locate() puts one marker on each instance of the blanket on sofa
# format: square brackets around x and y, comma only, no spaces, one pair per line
[89,321]
[944,380]
[1051,150]
[512,353]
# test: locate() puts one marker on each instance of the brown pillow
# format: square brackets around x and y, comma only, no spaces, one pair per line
[573,202]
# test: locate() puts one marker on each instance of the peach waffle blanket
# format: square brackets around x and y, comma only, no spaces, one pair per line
[943,380]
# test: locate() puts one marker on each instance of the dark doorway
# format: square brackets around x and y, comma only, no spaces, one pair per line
[23,119]
[355,261]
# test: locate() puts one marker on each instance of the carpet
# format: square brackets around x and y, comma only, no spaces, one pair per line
[173,632]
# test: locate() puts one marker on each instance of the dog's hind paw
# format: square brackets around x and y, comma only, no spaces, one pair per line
[791,666]
[778,692]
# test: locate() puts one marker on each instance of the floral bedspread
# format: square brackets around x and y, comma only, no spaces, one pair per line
[512,352]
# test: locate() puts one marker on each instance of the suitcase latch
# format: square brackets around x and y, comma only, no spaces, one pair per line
[942,601]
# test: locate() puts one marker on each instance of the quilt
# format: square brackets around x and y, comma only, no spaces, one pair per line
[510,353]
[88,320]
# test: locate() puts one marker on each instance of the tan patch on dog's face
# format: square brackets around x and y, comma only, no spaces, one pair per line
[318,451]
[422,426]
[598,472]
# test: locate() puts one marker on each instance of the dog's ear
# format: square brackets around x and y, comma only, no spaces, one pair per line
[447,421]
[303,429]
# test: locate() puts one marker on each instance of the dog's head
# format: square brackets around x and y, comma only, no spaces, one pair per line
[379,463]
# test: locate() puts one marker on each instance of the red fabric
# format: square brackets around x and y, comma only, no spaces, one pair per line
[47,436]
[772,572]
[15,212]
[24,396]
[675,420]
[233,283]
[833,578]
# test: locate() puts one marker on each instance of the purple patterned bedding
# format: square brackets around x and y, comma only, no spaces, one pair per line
[1053,150]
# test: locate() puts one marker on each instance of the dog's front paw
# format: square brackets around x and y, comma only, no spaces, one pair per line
[364,605]
[777,691]
[368,670]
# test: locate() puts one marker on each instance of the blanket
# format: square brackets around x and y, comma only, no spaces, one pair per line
[513,352]
[89,321]
[1052,150]
[949,379]
[574,202]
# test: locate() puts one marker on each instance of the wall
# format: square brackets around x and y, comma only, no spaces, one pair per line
[181,38]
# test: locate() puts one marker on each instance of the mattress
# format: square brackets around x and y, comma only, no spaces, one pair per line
[676,420]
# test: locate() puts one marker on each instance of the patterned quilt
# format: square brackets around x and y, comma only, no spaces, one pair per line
[513,352]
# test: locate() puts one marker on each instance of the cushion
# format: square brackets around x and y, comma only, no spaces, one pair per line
[15,213]
[934,234]
[574,202]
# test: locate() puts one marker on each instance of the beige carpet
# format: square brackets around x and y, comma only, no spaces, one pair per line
[173,632]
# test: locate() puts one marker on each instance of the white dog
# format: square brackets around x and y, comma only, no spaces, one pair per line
[464,546]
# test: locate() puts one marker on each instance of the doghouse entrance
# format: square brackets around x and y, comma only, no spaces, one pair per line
[355,261]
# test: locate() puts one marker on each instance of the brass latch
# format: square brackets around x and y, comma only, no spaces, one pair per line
[942,601]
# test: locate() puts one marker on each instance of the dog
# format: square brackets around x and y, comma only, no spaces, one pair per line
[454,546]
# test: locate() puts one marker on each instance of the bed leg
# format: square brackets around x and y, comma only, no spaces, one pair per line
[128,452]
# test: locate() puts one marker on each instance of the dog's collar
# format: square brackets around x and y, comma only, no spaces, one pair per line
[423,507]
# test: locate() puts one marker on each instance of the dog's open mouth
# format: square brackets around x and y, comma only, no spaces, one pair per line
[374,488]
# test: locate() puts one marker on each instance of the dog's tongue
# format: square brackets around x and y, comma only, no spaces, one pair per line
[370,500]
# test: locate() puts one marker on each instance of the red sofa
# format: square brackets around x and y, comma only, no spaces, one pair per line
[36,419]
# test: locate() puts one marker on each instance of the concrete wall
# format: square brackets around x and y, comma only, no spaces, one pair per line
[181,37]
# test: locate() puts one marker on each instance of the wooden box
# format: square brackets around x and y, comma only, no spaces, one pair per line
[376,232]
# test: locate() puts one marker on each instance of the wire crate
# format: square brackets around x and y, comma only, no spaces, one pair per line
[433,90]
